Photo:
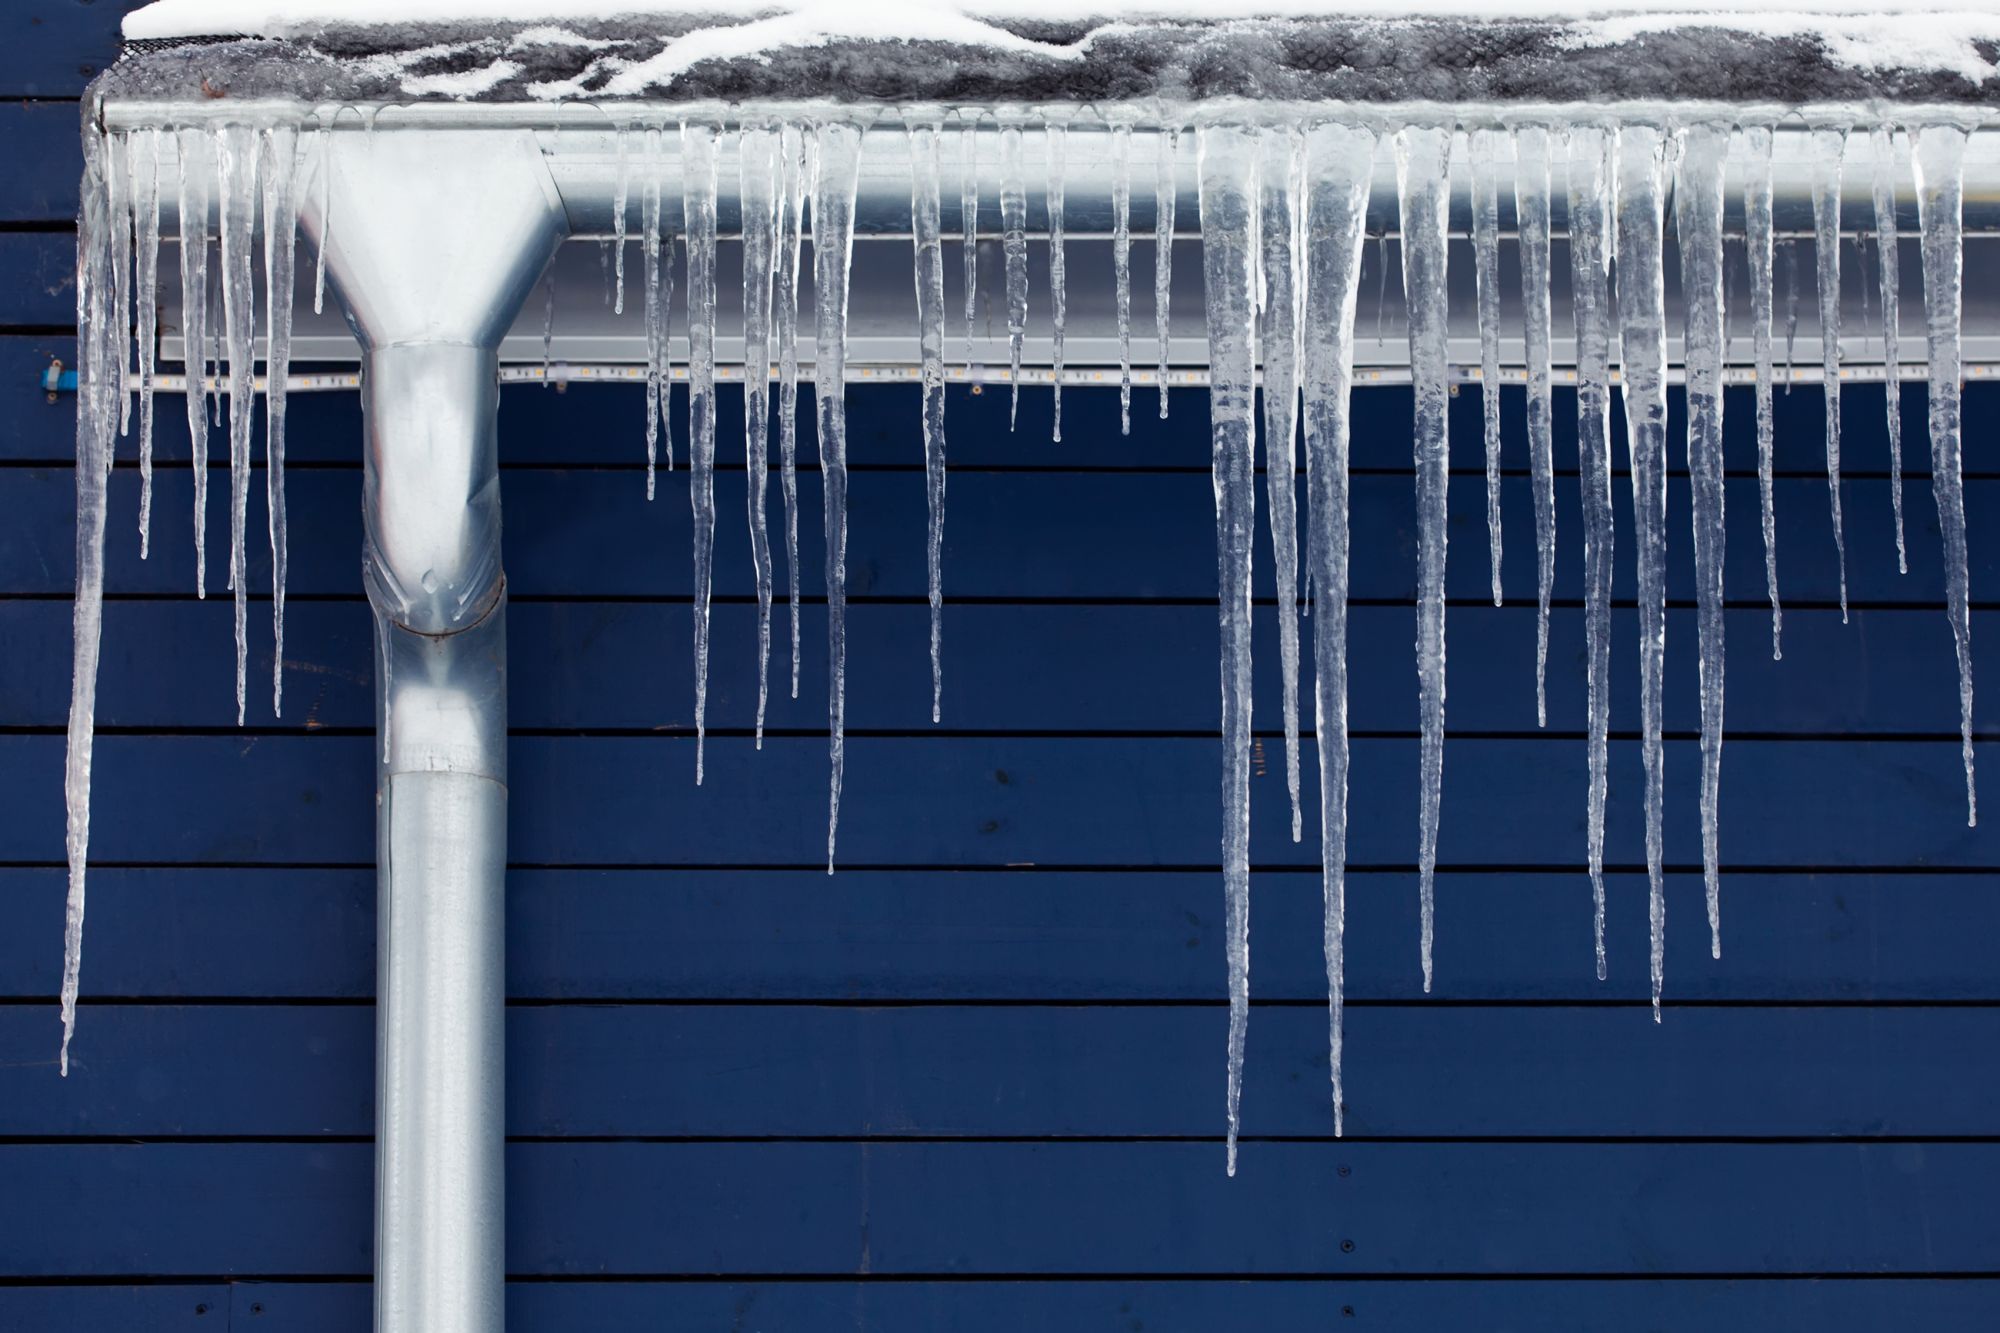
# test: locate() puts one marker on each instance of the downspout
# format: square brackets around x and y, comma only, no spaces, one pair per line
[435,241]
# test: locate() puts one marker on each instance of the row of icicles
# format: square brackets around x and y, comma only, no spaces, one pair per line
[1283,214]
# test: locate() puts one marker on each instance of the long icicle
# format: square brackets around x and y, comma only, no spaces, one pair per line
[1229,227]
[1531,212]
[1486,256]
[1591,150]
[1166,189]
[1121,264]
[758,182]
[1280,188]
[791,207]
[196,166]
[1757,241]
[1058,141]
[1827,148]
[1339,170]
[1883,140]
[143,147]
[100,362]
[1014,242]
[324,139]
[1698,226]
[1642,318]
[656,300]
[927,240]
[236,158]
[1939,161]
[698,217]
[281,234]
[620,197]
[836,176]
[1423,187]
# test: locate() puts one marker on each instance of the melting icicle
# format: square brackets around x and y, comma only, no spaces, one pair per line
[1014,240]
[1827,147]
[100,363]
[1165,192]
[1698,226]
[1423,187]
[698,210]
[927,238]
[1531,211]
[1282,268]
[1339,170]
[1791,252]
[758,177]
[196,163]
[1591,149]
[143,148]
[281,232]
[968,212]
[791,208]
[1121,264]
[621,195]
[118,210]
[325,139]
[1939,159]
[1757,241]
[1058,140]
[1229,227]
[1883,139]
[837,173]
[1486,254]
[657,302]
[236,158]
[1642,318]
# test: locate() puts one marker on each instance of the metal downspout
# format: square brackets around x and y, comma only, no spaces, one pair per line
[436,240]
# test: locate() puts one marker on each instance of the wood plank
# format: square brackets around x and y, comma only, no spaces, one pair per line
[1043,1071]
[1025,935]
[1141,536]
[190,1307]
[993,801]
[37,275]
[720,1209]
[52,48]
[41,158]
[1141,669]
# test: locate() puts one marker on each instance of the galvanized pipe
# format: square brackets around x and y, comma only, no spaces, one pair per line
[434,244]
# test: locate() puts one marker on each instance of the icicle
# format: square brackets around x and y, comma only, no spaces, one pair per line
[1827,147]
[325,140]
[1014,239]
[1339,171]
[758,177]
[1591,149]
[968,211]
[1229,227]
[698,211]
[927,240]
[237,179]
[118,211]
[217,329]
[1531,211]
[1121,264]
[1883,140]
[1381,288]
[1939,160]
[196,163]
[657,303]
[836,175]
[144,149]
[1058,140]
[1791,252]
[1698,227]
[1486,254]
[1757,241]
[100,361]
[548,325]
[621,194]
[1281,187]
[791,207]
[604,269]
[1423,186]
[1642,317]
[1165,191]
[281,232]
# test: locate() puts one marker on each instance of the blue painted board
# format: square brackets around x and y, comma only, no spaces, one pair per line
[1103,536]
[41,159]
[179,1307]
[1414,1070]
[52,48]
[1131,1209]
[622,935]
[37,275]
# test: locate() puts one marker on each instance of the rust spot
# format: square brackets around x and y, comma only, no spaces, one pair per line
[210,91]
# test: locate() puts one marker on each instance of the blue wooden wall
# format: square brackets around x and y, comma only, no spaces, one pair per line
[974,1081]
